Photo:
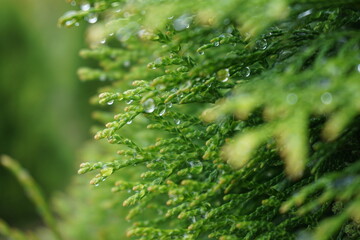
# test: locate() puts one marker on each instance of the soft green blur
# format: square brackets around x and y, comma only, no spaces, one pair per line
[44,110]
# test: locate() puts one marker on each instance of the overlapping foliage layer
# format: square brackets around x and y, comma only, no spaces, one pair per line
[241,117]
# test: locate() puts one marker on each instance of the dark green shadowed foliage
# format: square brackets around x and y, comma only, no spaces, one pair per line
[223,120]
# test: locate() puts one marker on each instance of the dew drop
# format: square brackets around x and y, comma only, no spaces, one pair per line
[103,41]
[111,102]
[196,167]
[92,18]
[181,23]
[71,22]
[129,101]
[102,77]
[127,63]
[96,185]
[85,6]
[201,52]
[158,61]
[326,98]
[129,122]
[216,44]
[149,105]
[169,105]
[291,98]
[358,67]
[73,3]
[304,14]
[223,75]
[245,72]
[162,112]
[177,121]
[261,44]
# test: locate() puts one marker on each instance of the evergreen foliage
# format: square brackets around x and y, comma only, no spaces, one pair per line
[277,85]
[229,119]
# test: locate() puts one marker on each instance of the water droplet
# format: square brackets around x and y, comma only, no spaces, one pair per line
[127,63]
[201,52]
[110,102]
[149,105]
[291,98]
[123,34]
[103,41]
[102,77]
[196,167]
[169,105]
[129,122]
[326,98]
[77,24]
[96,185]
[71,22]
[245,72]
[358,67]
[223,75]
[73,3]
[283,54]
[304,14]
[129,101]
[162,112]
[91,18]
[177,121]
[216,44]
[158,61]
[261,44]
[85,6]
[182,22]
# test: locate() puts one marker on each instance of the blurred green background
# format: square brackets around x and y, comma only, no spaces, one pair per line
[44,109]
